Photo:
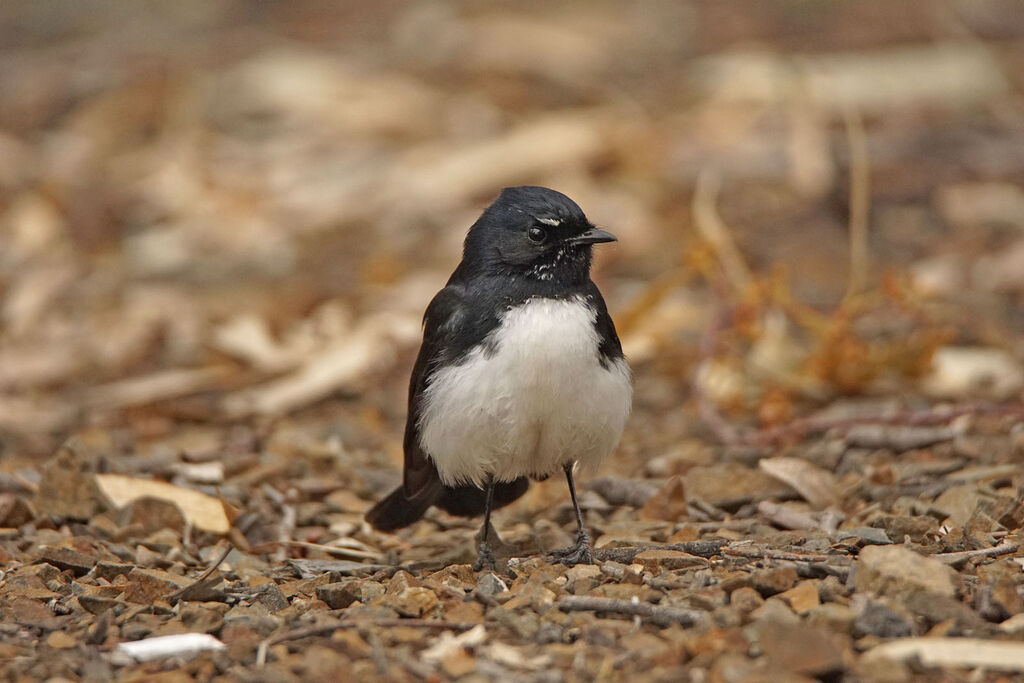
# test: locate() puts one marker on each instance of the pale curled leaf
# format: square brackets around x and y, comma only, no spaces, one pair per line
[203,512]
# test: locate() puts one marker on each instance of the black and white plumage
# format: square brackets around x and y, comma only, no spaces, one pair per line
[520,373]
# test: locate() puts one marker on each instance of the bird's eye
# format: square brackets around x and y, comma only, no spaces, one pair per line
[537,235]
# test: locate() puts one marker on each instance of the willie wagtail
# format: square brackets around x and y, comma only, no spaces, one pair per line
[520,373]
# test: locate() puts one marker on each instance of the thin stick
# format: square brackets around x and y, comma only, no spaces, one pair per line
[760,553]
[956,559]
[661,616]
[202,577]
[714,230]
[860,200]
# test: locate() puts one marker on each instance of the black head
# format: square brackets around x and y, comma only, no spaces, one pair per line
[535,233]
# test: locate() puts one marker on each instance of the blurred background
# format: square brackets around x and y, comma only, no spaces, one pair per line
[221,222]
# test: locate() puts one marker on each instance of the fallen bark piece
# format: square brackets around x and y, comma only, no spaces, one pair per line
[965,652]
[660,616]
[203,512]
[181,645]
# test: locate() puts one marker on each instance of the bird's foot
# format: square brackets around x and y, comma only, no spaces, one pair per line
[579,553]
[484,558]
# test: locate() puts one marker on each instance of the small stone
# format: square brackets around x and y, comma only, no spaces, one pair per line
[894,570]
[472,612]
[729,485]
[146,586]
[111,570]
[768,582]
[414,602]
[916,528]
[400,581]
[775,610]
[832,616]
[864,535]
[878,620]
[802,598]
[339,595]
[30,582]
[270,596]
[489,585]
[26,611]
[800,649]
[668,503]
[98,604]
[15,511]
[254,618]
[582,578]
[59,640]
[200,618]
[746,599]
[66,558]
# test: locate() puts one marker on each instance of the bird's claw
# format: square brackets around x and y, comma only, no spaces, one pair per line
[484,558]
[579,553]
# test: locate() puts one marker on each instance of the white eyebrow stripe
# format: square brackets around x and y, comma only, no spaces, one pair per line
[549,221]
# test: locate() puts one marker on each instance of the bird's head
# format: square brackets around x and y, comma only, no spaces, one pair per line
[533,232]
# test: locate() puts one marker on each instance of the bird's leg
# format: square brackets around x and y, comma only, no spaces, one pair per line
[484,557]
[580,553]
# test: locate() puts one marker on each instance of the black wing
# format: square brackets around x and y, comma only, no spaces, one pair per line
[609,347]
[448,332]
[445,316]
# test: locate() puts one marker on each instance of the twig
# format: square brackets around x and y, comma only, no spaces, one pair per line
[201,580]
[709,414]
[860,200]
[714,230]
[703,549]
[661,616]
[324,629]
[760,553]
[957,559]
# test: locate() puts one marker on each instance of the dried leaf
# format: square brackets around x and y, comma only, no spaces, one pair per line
[200,510]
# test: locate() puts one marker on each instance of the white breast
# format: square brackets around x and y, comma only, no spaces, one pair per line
[538,400]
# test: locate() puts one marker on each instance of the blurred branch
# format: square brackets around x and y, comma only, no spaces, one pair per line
[714,230]
[860,200]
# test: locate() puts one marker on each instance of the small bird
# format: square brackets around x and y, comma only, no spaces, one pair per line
[520,373]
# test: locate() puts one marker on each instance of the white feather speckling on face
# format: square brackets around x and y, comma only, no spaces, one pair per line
[539,400]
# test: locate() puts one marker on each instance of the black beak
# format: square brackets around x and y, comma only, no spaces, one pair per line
[593,236]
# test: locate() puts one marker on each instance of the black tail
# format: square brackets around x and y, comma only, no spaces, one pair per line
[397,511]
